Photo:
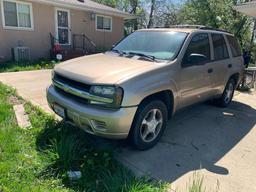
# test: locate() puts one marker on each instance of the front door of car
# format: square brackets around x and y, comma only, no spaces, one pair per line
[194,82]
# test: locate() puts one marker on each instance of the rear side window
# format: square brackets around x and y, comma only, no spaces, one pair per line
[199,45]
[234,45]
[219,47]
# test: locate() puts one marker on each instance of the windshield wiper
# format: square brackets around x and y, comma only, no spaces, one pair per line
[150,57]
[119,51]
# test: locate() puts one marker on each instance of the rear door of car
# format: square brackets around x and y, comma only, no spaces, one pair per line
[221,63]
[237,60]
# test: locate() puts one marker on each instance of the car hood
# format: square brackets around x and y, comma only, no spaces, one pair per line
[104,68]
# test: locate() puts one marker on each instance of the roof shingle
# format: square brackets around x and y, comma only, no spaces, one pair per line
[93,5]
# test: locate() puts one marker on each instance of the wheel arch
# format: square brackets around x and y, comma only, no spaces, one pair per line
[166,96]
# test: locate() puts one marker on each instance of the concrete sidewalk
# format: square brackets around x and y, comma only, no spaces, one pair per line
[217,143]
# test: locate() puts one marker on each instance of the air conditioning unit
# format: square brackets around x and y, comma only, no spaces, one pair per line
[21,53]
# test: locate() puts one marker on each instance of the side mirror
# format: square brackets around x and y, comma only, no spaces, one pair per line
[113,46]
[195,59]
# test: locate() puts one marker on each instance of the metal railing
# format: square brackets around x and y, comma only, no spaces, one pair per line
[249,77]
[53,40]
[82,42]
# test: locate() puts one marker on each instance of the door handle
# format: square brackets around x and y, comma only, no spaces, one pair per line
[230,65]
[210,70]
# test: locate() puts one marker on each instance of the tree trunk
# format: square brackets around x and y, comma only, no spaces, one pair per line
[152,14]
[134,5]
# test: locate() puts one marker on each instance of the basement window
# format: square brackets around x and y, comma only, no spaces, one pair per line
[17,15]
[103,23]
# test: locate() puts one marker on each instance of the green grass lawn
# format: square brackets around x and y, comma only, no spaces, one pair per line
[26,66]
[38,159]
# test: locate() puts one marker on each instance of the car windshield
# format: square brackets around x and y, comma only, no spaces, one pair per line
[162,45]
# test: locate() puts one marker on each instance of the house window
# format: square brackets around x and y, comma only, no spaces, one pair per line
[17,15]
[103,23]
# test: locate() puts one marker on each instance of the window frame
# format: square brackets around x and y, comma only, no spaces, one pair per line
[184,64]
[226,44]
[57,25]
[18,28]
[104,30]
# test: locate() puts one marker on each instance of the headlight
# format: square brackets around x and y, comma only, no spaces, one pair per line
[111,96]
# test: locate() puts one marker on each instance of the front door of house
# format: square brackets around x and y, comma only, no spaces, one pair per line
[63,33]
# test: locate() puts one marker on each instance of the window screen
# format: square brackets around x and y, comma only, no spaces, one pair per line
[17,14]
[10,14]
[104,23]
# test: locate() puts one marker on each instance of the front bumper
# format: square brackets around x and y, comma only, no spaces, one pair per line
[114,124]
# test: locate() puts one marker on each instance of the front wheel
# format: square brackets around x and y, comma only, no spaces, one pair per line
[149,124]
[228,93]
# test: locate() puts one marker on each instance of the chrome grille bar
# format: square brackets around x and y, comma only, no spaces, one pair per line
[80,93]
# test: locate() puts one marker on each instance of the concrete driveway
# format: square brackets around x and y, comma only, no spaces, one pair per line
[219,144]
[31,85]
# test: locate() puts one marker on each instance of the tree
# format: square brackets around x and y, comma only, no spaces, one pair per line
[167,13]
[130,6]
[111,3]
[152,14]
[218,14]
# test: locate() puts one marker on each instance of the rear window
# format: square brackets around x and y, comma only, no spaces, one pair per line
[219,47]
[234,45]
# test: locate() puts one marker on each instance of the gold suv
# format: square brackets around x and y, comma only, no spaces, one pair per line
[132,90]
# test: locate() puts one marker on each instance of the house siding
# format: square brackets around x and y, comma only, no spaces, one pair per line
[38,40]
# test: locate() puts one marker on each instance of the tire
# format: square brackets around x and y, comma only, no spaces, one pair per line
[149,124]
[228,93]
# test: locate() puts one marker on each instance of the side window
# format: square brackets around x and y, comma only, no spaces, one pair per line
[234,45]
[219,47]
[199,45]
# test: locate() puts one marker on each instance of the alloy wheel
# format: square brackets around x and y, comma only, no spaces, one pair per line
[229,93]
[151,125]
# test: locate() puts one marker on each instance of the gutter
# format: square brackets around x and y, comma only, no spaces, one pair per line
[246,8]
[117,13]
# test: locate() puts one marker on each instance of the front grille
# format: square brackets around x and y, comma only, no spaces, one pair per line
[72,97]
[72,83]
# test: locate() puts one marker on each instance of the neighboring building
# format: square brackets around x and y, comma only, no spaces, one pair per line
[73,25]
[247,8]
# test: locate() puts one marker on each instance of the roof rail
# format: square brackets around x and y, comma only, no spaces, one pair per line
[187,26]
[203,27]
[215,29]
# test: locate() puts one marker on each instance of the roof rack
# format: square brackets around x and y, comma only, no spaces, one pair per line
[203,27]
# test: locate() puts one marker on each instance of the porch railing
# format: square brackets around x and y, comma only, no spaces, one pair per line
[81,45]
[82,42]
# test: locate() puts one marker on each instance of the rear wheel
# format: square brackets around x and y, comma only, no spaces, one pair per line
[228,93]
[149,124]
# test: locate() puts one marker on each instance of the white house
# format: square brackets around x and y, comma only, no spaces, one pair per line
[247,8]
